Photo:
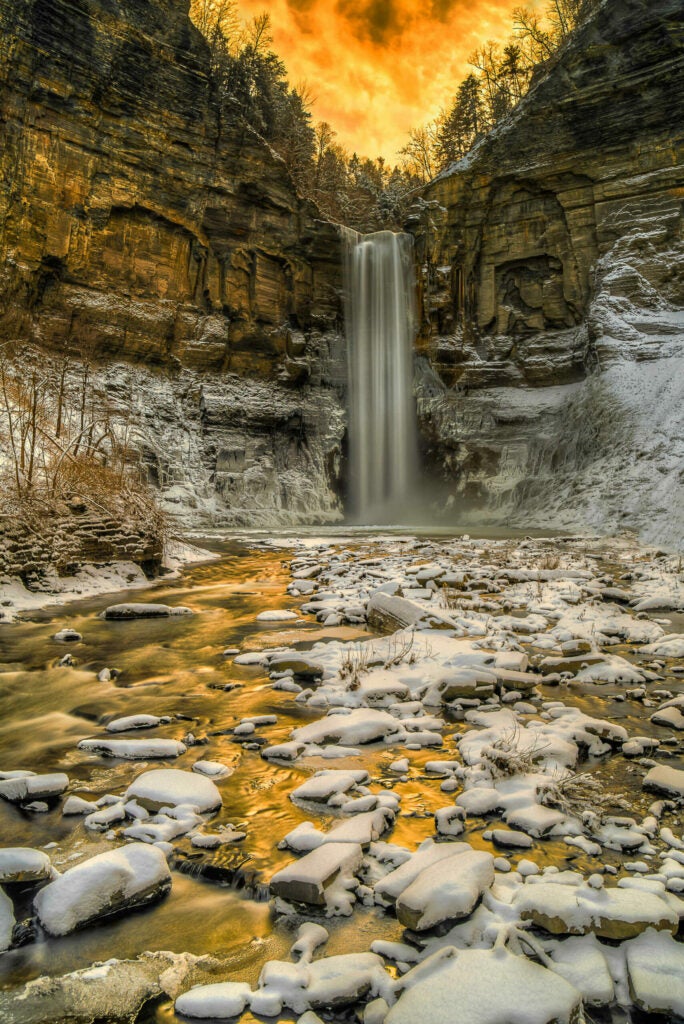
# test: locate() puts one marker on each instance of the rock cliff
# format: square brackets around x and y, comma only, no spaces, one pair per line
[140,227]
[551,369]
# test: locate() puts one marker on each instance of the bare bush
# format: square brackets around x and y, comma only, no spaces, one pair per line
[61,442]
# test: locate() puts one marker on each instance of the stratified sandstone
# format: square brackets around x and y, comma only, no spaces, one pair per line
[553,326]
[138,224]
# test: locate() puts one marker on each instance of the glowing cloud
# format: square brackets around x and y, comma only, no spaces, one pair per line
[378,68]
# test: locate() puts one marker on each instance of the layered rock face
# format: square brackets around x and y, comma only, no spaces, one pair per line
[551,369]
[138,226]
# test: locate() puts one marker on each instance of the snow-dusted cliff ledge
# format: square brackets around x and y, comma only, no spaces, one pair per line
[224,450]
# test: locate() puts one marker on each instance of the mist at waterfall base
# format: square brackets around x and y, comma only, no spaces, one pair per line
[385,482]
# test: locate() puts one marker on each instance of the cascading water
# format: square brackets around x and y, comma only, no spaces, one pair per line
[380,333]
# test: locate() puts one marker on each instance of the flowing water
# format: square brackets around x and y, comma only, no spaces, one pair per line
[176,667]
[380,333]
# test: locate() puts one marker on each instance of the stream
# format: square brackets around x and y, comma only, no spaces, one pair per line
[176,667]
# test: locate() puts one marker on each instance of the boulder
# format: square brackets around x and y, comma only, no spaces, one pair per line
[108,884]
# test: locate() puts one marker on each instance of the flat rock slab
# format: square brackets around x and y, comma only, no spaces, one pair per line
[133,722]
[360,726]
[326,784]
[387,614]
[107,884]
[306,880]
[134,750]
[300,666]
[614,913]
[655,962]
[33,787]
[144,611]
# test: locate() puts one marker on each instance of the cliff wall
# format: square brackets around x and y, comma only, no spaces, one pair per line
[139,227]
[551,377]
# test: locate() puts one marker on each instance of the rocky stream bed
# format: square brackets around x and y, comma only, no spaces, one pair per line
[383,778]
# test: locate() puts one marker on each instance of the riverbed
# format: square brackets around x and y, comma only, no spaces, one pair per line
[176,667]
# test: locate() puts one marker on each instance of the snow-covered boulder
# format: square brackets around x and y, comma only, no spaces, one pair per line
[359,726]
[484,986]
[107,884]
[23,864]
[663,779]
[446,891]
[172,787]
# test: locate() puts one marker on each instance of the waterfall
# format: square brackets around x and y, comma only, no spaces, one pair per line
[380,333]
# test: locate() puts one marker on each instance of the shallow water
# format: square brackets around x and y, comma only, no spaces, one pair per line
[176,667]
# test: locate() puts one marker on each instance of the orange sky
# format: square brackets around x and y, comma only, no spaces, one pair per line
[380,67]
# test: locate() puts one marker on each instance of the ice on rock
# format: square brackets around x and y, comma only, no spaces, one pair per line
[362,829]
[284,751]
[446,891]
[24,787]
[213,840]
[387,613]
[172,787]
[133,722]
[305,880]
[484,986]
[107,884]
[23,864]
[134,750]
[143,611]
[165,826]
[359,726]
[655,962]
[100,991]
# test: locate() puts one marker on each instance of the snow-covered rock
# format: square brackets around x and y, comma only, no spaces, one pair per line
[107,884]
[172,787]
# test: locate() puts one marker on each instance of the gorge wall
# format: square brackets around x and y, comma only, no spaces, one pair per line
[140,226]
[551,369]
[166,242]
